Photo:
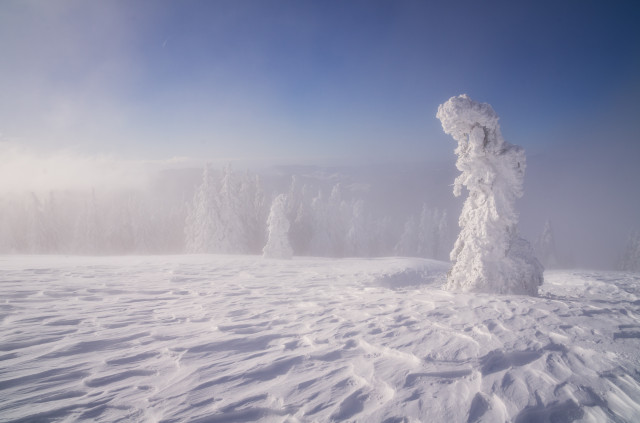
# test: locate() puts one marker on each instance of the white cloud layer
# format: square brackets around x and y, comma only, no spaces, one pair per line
[23,170]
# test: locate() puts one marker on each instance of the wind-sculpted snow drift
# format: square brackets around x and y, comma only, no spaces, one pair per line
[488,255]
[204,338]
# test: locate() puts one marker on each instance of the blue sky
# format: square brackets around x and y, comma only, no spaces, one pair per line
[301,80]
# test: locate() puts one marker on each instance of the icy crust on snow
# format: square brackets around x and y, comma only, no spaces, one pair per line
[238,339]
[488,255]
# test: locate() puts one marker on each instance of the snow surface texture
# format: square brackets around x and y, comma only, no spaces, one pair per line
[278,245]
[238,339]
[488,255]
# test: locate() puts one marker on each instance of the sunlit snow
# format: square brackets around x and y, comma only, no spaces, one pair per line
[242,338]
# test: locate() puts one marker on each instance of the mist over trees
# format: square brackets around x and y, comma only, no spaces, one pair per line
[278,245]
[224,211]
[377,202]
[545,247]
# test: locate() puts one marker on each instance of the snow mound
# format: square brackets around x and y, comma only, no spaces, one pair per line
[417,273]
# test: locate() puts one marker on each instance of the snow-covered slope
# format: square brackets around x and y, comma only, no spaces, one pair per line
[236,339]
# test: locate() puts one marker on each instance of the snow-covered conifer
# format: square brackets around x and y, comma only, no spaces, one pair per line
[235,236]
[359,240]
[432,233]
[89,231]
[488,255]
[300,216]
[204,226]
[320,242]
[408,243]
[278,245]
[444,238]
[252,212]
[338,215]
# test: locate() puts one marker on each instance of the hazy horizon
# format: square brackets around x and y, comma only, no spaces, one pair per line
[107,95]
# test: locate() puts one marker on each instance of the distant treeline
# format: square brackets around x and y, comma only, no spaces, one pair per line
[224,212]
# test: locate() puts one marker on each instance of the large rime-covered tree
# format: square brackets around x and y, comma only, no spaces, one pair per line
[488,255]
[278,246]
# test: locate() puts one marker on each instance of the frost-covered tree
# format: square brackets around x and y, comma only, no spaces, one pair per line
[252,212]
[320,242]
[300,216]
[545,246]
[630,260]
[278,245]
[338,215]
[384,237]
[37,229]
[408,243]
[120,233]
[433,233]
[226,215]
[204,226]
[444,240]
[359,239]
[488,255]
[89,229]
[235,237]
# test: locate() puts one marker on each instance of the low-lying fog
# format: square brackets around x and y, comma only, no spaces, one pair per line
[67,203]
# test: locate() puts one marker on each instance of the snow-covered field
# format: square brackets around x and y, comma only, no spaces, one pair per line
[236,339]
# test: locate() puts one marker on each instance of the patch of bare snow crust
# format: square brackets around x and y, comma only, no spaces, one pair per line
[206,338]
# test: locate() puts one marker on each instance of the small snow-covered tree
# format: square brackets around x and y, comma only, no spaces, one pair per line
[359,240]
[384,237]
[408,243]
[444,239]
[300,216]
[338,218]
[226,215]
[204,228]
[255,212]
[235,237]
[488,255]
[320,243]
[432,233]
[89,230]
[545,246]
[278,245]
[630,260]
